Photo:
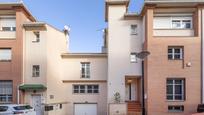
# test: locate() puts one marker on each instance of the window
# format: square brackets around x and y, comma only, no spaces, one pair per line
[84,89]
[36,71]
[5,54]
[175,53]
[182,24]
[134,29]
[176,108]
[175,89]
[92,88]
[6,91]
[8,24]
[133,57]
[85,70]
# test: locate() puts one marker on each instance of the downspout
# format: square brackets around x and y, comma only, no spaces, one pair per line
[18,95]
[202,57]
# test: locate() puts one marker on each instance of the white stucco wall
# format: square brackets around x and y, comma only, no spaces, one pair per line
[35,54]
[47,54]
[55,46]
[120,44]
[98,71]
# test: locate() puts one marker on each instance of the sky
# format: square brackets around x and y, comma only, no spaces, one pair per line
[84,17]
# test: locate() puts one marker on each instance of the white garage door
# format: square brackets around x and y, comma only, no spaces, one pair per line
[85,109]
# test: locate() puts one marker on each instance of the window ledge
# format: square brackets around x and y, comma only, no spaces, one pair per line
[175,100]
[5,60]
[172,29]
[175,111]
[175,59]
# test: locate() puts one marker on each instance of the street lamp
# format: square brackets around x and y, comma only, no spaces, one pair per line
[142,55]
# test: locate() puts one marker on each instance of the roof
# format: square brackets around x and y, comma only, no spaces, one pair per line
[83,55]
[174,1]
[17,5]
[133,16]
[35,26]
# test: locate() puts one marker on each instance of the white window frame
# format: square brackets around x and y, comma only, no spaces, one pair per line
[8,54]
[181,21]
[93,89]
[173,85]
[35,72]
[173,52]
[7,91]
[87,69]
[133,29]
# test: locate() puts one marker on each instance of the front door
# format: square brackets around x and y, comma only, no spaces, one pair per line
[37,105]
[130,91]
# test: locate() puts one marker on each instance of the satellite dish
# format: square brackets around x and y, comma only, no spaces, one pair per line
[67,28]
[20,1]
[143,54]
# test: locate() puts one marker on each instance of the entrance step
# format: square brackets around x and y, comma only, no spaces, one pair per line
[134,108]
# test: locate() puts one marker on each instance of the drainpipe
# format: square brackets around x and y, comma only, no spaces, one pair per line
[202,55]
[143,92]
[18,95]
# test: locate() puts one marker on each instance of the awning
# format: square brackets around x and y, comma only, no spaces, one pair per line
[32,87]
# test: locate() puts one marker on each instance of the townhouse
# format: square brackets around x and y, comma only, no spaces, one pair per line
[172,32]
[11,48]
[30,60]
[37,67]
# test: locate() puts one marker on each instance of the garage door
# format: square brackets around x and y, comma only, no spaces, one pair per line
[85,109]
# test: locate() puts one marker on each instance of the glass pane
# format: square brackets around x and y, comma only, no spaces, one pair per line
[170,89]
[188,25]
[95,86]
[76,91]
[89,86]
[169,97]
[176,24]
[89,91]
[82,86]
[178,89]
[83,76]
[6,28]
[177,56]
[178,97]
[169,81]
[170,50]
[178,81]
[170,56]
[76,87]
[95,91]
[82,91]
[83,70]
[177,50]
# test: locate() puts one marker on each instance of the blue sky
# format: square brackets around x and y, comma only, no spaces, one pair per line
[85,18]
